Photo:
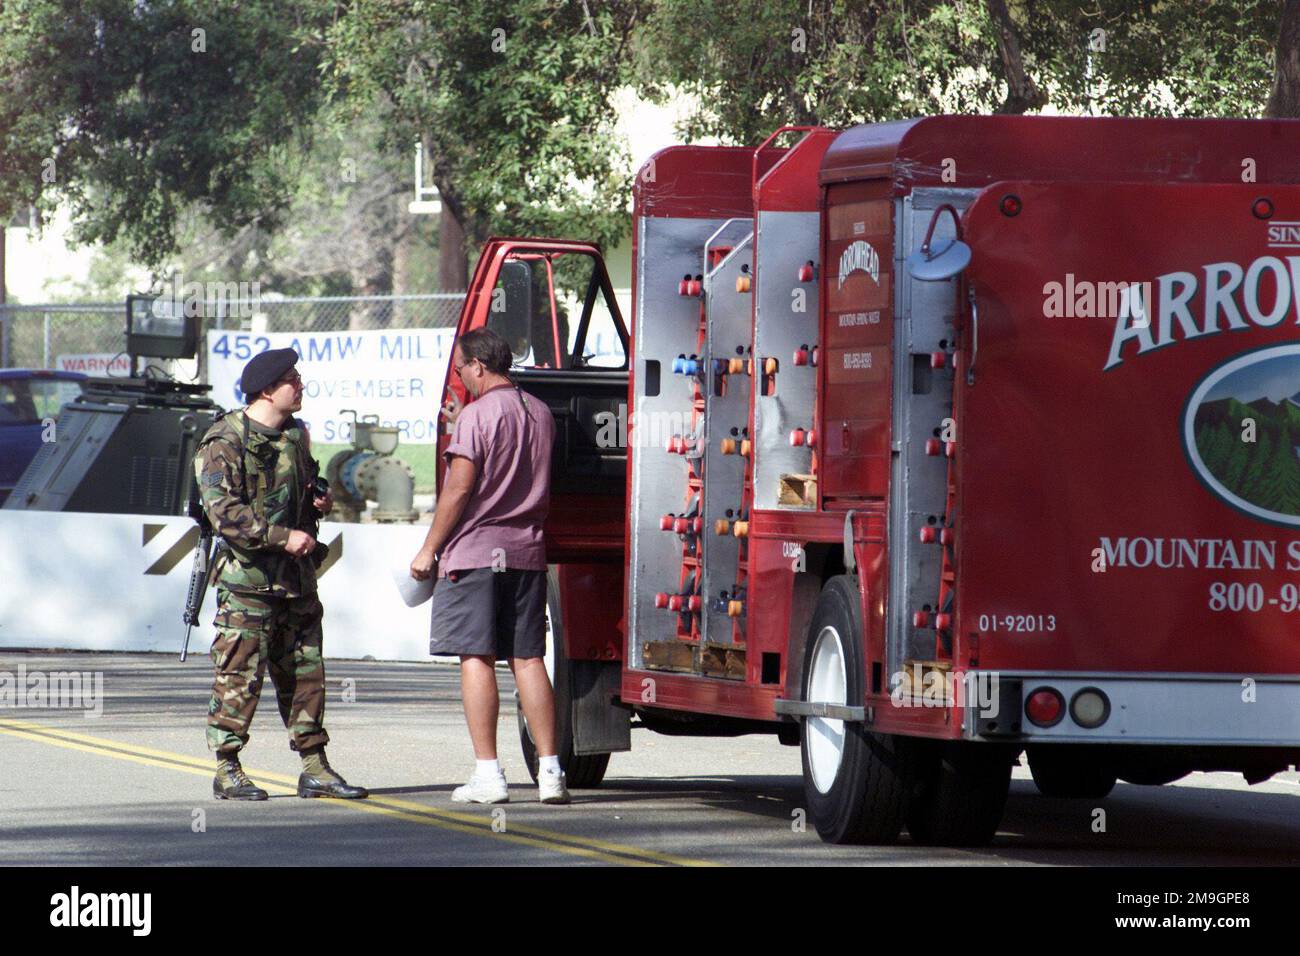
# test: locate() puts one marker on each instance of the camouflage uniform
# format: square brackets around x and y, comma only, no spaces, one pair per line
[255,485]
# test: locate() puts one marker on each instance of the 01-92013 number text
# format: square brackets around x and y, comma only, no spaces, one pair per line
[1024,623]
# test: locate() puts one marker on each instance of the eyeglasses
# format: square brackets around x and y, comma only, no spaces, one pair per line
[457,368]
[293,378]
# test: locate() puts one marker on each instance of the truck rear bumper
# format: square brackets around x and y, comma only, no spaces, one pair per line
[1210,709]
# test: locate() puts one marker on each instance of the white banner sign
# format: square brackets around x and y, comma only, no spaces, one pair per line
[396,374]
[107,582]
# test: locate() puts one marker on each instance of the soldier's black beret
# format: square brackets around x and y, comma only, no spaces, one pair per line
[265,370]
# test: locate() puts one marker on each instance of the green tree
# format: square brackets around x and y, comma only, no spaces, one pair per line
[1279,486]
[1213,444]
[159,122]
[1235,472]
[754,65]
[129,113]
[510,99]
[1153,57]
[1252,481]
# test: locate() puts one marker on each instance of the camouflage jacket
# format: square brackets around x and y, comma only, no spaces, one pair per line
[255,489]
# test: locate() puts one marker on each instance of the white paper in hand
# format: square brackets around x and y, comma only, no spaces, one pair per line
[413,592]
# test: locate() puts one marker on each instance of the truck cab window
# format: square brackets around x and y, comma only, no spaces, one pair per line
[555,311]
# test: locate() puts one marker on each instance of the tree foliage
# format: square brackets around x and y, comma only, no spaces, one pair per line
[511,98]
[755,64]
[129,112]
[1153,57]
[213,122]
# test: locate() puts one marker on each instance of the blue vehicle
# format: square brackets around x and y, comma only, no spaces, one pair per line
[27,398]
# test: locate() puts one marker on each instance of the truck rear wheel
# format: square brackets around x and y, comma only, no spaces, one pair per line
[582,772]
[961,794]
[856,783]
[1069,771]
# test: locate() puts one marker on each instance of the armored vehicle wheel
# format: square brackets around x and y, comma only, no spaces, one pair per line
[856,783]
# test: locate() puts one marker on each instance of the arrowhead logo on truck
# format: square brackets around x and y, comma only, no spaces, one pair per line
[1227,298]
[1255,395]
[859,256]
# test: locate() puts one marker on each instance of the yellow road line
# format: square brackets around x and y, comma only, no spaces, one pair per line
[603,850]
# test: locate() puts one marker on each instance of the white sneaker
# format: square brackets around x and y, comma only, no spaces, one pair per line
[550,787]
[483,790]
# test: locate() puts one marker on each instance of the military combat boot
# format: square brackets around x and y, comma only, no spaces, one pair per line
[231,783]
[320,780]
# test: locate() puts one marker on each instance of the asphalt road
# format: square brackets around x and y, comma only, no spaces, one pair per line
[133,786]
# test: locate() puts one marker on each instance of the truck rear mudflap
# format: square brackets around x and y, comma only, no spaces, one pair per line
[1128,457]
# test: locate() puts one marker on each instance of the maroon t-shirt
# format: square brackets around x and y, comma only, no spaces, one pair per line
[511,447]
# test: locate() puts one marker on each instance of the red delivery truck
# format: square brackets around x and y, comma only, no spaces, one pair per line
[930,444]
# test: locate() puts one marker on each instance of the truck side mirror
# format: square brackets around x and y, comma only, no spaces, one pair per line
[931,264]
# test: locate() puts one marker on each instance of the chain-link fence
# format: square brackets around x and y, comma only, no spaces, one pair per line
[68,335]
[64,336]
[91,338]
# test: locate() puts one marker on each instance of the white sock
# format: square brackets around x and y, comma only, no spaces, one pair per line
[487,769]
[549,764]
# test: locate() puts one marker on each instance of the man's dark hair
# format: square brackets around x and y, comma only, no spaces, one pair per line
[489,348]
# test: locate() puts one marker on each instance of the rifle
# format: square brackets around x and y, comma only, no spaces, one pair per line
[198,573]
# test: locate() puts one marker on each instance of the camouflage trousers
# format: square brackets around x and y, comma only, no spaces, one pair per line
[255,632]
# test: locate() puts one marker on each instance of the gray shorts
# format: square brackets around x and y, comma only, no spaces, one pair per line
[486,612]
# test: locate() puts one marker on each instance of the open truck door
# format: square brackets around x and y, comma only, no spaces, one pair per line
[552,301]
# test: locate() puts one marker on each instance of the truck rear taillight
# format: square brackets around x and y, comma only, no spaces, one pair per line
[807,272]
[1010,205]
[1262,208]
[1045,707]
[1090,708]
